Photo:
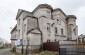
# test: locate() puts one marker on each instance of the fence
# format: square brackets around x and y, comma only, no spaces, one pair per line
[71,48]
[51,46]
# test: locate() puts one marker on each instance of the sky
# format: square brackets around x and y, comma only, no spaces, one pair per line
[9,8]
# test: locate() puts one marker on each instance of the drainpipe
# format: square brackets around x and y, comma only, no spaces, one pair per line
[22,37]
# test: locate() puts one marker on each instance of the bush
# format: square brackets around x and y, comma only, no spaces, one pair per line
[2,47]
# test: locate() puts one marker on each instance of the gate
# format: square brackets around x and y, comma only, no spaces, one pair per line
[51,46]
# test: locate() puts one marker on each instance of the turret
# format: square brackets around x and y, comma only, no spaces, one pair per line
[43,10]
[71,20]
[72,30]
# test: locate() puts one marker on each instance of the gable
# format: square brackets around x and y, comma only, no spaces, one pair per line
[24,12]
[18,13]
[58,11]
[35,31]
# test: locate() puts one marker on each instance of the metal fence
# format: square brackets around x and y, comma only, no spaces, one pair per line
[51,46]
[71,48]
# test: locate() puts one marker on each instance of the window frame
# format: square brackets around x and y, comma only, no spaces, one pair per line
[56,30]
[59,21]
[19,21]
[74,31]
[48,12]
[24,27]
[62,31]
[48,26]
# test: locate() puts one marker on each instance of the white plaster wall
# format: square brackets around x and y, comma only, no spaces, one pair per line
[13,43]
[42,12]
[43,27]
[73,26]
[19,27]
[60,38]
[63,25]
[34,39]
[44,20]
[14,33]
[13,36]
[24,32]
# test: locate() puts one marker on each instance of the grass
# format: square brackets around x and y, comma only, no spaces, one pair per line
[41,53]
[15,52]
[48,53]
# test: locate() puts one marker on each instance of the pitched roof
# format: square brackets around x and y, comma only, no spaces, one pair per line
[15,28]
[35,30]
[29,16]
[81,36]
[20,11]
[58,9]
[71,16]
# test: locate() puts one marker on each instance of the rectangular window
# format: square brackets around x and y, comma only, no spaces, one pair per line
[61,31]
[48,26]
[55,30]
[19,32]
[48,40]
[48,13]
[59,21]
[24,27]
[19,21]
[74,31]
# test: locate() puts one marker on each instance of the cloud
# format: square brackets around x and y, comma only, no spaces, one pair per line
[80,12]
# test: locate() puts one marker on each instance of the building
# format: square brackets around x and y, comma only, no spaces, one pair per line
[14,36]
[81,38]
[45,24]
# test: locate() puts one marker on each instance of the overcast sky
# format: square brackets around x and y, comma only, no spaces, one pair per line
[9,8]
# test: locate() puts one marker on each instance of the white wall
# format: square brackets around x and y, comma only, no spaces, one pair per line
[42,12]
[34,39]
